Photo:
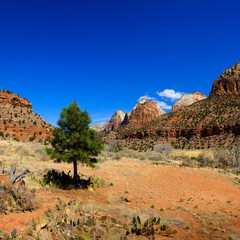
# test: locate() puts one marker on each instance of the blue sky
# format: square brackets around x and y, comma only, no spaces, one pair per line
[107,54]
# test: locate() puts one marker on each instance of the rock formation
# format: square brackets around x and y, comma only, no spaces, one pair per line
[115,122]
[211,122]
[10,98]
[18,121]
[144,112]
[126,118]
[228,82]
[98,127]
[187,99]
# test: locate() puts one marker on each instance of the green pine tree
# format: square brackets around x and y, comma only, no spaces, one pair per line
[74,141]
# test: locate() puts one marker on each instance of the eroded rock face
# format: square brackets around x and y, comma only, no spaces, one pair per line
[228,82]
[98,127]
[126,118]
[7,97]
[187,100]
[19,122]
[115,122]
[145,111]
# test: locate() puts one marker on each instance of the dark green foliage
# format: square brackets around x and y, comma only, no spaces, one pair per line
[74,141]
[32,138]
[16,198]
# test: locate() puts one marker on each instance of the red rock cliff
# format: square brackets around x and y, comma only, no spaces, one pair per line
[18,121]
[228,82]
[7,97]
[144,112]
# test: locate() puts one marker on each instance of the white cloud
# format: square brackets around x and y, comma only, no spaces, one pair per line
[163,105]
[146,97]
[171,94]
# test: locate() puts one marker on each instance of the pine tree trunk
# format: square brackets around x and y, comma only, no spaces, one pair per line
[75,174]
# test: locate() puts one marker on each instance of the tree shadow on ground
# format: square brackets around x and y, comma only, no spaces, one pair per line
[65,181]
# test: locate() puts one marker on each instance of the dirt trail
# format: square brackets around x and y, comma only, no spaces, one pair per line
[200,204]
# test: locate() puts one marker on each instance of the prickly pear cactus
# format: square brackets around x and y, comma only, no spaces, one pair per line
[150,227]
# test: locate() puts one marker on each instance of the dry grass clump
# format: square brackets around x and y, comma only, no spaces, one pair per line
[21,153]
[186,154]
[130,153]
[164,148]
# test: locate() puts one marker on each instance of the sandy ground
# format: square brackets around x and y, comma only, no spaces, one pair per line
[198,203]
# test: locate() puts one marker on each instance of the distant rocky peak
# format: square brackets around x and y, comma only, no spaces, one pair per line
[142,101]
[228,82]
[118,113]
[160,111]
[145,111]
[187,100]
[233,71]
[115,122]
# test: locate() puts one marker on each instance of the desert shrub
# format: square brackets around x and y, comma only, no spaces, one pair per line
[155,156]
[205,159]
[222,158]
[163,148]
[117,156]
[97,181]
[139,155]
[40,153]
[234,151]
[16,198]
[32,138]
[114,146]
